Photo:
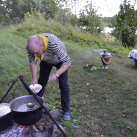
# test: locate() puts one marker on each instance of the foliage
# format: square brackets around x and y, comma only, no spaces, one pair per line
[14,10]
[125,25]
[90,19]
[35,23]
[49,8]
[108,21]
[65,17]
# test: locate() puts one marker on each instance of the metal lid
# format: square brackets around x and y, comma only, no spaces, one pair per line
[4,109]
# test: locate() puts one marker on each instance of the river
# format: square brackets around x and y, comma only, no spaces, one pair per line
[109,30]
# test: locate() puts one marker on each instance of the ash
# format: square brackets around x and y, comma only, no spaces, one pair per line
[17,131]
[43,128]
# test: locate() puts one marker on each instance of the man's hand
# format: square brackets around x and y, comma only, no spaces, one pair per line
[52,77]
[61,70]
[33,82]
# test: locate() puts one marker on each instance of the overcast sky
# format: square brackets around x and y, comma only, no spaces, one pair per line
[106,8]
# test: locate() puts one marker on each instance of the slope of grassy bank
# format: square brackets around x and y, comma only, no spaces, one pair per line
[103,103]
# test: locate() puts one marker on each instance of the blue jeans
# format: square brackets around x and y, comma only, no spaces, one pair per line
[45,70]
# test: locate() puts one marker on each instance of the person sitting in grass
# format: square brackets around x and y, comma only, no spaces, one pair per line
[52,52]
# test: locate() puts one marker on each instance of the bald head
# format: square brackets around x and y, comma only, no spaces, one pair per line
[34,42]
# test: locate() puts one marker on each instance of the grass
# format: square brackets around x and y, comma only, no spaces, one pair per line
[102,103]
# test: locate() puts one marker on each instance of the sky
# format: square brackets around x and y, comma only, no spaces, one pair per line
[105,8]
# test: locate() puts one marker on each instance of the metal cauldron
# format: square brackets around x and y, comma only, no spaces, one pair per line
[29,117]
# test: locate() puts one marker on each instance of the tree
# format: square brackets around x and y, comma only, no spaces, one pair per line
[125,24]
[12,9]
[2,11]
[49,7]
[90,19]
[65,17]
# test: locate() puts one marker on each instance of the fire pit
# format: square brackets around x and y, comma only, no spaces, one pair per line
[28,115]
[43,128]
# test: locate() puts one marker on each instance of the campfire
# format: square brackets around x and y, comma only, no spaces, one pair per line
[30,116]
[45,127]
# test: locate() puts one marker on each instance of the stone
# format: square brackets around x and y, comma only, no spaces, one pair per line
[55,113]
[56,132]
[46,105]
[40,128]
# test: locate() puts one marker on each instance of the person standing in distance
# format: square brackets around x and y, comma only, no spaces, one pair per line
[52,52]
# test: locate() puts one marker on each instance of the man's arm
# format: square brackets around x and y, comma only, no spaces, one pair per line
[33,68]
[61,70]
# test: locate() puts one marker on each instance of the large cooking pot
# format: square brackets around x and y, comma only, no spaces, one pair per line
[5,116]
[23,115]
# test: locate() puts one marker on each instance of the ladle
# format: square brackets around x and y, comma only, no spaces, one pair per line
[30,105]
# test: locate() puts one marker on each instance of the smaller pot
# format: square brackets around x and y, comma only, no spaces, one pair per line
[5,116]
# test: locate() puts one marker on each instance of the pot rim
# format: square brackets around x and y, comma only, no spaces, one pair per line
[4,115]
[22,97]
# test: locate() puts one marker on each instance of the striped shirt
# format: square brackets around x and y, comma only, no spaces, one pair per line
[55,53]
